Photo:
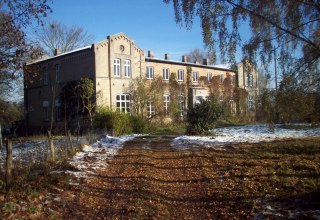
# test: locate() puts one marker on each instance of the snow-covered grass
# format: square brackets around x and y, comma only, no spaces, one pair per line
[242,134]
[31,152]
[94,156]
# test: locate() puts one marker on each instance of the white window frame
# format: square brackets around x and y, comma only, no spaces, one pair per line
[199,98]
[250,103]
[123,102]
[250,80]
[180,75]
[150,72]
[233,79]
[232,106]
[181,104]
[195,76]
[166,104]
[209,77]
[165,73]
[150,107]
[127,68]
[117,67]
[221,78]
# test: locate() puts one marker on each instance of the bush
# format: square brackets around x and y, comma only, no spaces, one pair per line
[138,124]
[117,123]
[203,116]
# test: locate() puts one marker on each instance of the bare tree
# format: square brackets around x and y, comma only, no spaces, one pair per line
[88,96]
[56,35]
[196,55]
[145,92]
[14,17]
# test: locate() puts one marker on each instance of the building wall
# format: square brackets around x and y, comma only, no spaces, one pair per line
[121,47]
[72,67]
[97,62]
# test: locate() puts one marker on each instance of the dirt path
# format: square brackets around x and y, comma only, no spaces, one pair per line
[150,180]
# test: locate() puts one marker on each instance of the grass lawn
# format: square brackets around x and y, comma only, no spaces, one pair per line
[149,179]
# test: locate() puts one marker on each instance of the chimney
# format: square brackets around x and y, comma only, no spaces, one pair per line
[57,51]
[167,56]
[150,53]
[205,61]
[184,59]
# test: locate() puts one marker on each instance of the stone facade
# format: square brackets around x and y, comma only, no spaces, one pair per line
[112,64]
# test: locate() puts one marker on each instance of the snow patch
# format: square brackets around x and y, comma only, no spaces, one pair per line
[94,156]
[241,134]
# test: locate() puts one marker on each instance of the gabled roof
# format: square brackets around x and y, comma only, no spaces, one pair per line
[47,57]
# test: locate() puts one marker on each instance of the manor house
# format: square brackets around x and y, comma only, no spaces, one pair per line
[112,64]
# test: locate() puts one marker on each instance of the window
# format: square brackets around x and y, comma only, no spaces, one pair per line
[233,80]
[209,77]
[150,108]
[233,106]
[250,103]
[149,72]
[165,73]
[181,105]
[221,78]
[180,75]
[57,109]
[221,98]
[127,68]
[45,76]
[199,98]
[250,80]
[195,76]
[166,103]
[116,67]
[57,67]
[45,107]
[123,103]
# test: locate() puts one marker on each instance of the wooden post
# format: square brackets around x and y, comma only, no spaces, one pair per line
[51,146]
[70,141]
[9,164]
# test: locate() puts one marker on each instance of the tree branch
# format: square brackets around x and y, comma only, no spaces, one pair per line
[274,24]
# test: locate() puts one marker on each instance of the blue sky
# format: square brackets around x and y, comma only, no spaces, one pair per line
[150,23]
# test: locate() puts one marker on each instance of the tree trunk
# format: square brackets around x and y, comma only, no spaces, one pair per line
[1,145]
[70,141]
[9,164]
[51,146]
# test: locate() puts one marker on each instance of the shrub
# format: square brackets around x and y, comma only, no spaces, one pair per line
[203,116]
[117,123]
[138,124]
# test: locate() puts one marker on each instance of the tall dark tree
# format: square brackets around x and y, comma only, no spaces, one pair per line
[56,35]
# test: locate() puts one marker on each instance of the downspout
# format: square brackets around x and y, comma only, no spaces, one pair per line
[109,67]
